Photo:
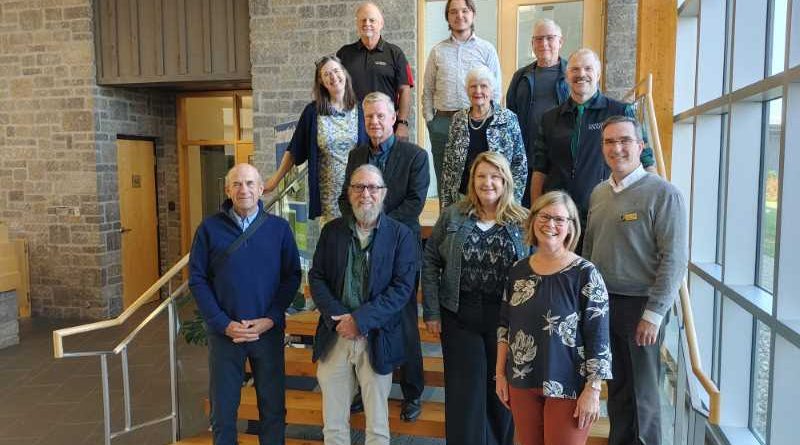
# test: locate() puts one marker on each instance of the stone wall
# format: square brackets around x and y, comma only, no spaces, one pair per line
[57,169]
[9,326]
[288,36]
[620,51]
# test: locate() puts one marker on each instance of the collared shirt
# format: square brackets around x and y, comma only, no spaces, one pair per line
[383,68]
[632,177]
[356,276]
[446,70]
[243,222]
[379,159]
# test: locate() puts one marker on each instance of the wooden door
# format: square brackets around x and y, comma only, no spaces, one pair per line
[513,40]
[139,223]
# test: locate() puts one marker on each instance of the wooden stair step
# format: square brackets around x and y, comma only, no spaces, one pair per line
[243,439]
[305,408]
[298,363]
[305,323]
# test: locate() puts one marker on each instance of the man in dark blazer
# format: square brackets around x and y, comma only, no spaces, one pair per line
[363,271]
[405,169]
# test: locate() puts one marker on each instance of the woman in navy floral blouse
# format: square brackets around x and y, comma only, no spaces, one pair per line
[552,338]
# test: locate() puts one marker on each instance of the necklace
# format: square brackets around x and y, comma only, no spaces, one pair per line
[482,120]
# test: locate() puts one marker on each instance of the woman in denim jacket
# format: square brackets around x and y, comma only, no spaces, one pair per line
[467,258]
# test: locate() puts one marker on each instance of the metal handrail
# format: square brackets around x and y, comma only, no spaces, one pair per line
[687,315]
[122,348]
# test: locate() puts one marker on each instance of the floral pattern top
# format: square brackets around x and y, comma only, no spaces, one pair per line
[556,327]
[502,136]
[337,134]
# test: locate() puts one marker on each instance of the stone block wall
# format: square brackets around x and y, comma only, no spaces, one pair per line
[288,36]
[9,326]
[58,168]
[620,51]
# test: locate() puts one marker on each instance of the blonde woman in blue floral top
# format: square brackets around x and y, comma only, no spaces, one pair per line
[552,337]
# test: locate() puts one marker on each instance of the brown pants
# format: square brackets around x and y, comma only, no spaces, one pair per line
[541,420]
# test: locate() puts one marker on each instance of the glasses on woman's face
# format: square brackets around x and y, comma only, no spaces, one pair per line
[557,219]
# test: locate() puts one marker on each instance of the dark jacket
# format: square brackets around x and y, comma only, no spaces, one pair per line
[578,176]
[392,271]
[441,272]
[260,279]
[519,98]
[406,176]
[304,147]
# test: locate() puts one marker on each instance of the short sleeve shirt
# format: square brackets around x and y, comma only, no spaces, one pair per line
[383,68]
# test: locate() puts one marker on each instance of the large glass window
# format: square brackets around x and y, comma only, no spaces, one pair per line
[743,207]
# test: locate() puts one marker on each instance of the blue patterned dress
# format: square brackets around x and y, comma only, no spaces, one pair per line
[337,134]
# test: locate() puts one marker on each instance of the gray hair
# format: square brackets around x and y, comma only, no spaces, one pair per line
[368,168]
[546,22]
[363,5]
[637,127]
[242,165]
[377,96]
[481,72]
[587,52]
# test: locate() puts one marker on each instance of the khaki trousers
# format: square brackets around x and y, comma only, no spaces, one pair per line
[347,364]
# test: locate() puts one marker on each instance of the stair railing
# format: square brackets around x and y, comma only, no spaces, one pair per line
[169,304]
[643,91]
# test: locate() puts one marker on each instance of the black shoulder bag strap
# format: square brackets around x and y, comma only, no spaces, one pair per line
[219,260]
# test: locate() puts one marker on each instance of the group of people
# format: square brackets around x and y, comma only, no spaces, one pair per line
[555,249]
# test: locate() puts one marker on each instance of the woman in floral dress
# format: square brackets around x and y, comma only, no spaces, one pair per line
[329,127]
[552,339]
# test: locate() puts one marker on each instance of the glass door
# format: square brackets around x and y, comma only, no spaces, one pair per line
[581,22]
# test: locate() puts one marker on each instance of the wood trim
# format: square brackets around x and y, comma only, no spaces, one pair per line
[419,82]
[24,286]
[182,172]
[655,54]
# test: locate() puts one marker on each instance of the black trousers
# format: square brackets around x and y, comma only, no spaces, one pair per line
[634,406]
[226,374]
[412,379]
[473,413]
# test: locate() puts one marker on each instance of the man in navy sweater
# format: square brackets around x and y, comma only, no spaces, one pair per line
[243,293]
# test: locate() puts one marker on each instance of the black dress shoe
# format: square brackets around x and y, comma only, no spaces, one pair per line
[357,405]
[411,409]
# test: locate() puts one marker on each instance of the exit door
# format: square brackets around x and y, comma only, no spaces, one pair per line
[139,223]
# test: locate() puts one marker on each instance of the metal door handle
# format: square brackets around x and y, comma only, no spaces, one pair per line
[124,229]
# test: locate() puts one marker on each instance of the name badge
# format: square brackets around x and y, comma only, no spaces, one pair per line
[380,62]
[628,217]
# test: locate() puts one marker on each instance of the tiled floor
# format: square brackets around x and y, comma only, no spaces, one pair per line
[58,401]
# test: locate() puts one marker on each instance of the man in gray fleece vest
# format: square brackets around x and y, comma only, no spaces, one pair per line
[637,238]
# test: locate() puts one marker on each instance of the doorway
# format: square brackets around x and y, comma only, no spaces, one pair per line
[136,182]
[215,132]
[581,22]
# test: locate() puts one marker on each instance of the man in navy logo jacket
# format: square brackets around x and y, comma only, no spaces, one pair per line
[243,295]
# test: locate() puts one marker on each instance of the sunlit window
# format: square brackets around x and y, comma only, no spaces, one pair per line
[768,208]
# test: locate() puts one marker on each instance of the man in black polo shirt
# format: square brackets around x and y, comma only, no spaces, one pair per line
[377,65]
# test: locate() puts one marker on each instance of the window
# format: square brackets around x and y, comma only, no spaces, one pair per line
[760,394]
[768,207]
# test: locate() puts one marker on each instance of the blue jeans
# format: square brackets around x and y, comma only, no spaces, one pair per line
[226,374]
[438,130]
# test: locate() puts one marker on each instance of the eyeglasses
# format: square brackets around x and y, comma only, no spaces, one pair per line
[558,220]
[625,142]
[372,188]
[548,38]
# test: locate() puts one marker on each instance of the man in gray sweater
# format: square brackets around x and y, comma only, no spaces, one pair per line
[637,237]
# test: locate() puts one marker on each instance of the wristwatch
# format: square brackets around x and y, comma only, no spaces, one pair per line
[402,121]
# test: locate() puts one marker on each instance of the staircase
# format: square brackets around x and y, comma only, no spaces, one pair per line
[305,407]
